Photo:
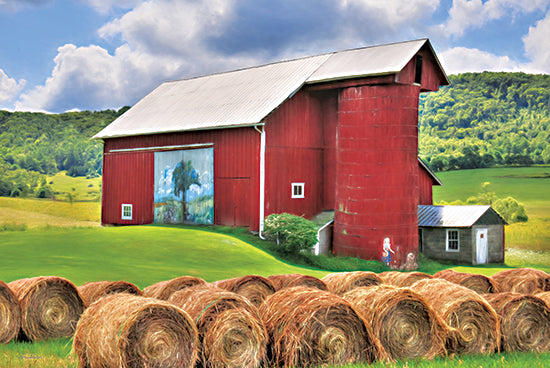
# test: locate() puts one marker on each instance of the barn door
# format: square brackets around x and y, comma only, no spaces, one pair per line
[481,246]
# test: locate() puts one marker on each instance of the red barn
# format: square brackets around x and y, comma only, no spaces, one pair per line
[337,131]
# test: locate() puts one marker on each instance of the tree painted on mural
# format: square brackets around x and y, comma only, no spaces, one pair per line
[183,177]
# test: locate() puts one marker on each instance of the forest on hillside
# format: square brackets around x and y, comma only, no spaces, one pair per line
[486,119]
[480,120]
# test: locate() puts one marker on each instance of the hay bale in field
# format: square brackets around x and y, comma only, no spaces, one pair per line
[310,327]
[92,291]
[481,284]
[524,321]
[296,279]
[50,306]
[255,288]
[401,320]
[231,333]
[402,279]
[164,289]
[10,314]
[342,282]
[544,296]
[475,322]
[127,331]
[522,280]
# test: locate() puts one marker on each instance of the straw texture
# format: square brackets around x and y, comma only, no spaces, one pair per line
[481,284]
[522,280]
[475,322]
[255,288]
[295,279]
[128,331]
[401,320]
[164,289]
[231,333]
[524,321]
[92,291]
[310,327]
[342,282]
[10,314]
[402,279]
[50,306]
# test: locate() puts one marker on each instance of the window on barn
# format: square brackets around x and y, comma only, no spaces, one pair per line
[298,190]
[127,212]
[453,240]
[418,70]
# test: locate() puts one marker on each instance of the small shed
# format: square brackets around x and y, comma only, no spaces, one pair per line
[462,234]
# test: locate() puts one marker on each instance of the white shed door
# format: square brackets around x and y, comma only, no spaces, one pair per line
[481,246]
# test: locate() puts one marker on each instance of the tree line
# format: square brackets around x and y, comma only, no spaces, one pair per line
[486,119]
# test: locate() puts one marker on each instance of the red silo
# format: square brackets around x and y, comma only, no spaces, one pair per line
[377,173]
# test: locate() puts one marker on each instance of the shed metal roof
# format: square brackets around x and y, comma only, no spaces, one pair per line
[450,216]
[245,97]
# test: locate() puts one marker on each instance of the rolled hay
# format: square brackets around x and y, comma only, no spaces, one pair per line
[50,307]
[522,280]
[10,314]
[545,296]
[342,282]
[401,320]
[481,284]
[255,288]
[127,331]
[474,322]
[296,279]
[164,289]
[92,291]
[310,327]
[403,279]
[524,321]
[231,333]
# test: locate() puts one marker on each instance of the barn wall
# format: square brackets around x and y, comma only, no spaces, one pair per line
[377,174]
[425,183]
[236,172]
[431,73]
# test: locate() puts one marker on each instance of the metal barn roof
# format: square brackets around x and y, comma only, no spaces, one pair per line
[450,216]
[245,97]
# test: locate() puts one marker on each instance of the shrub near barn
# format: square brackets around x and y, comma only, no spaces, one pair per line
[292,233]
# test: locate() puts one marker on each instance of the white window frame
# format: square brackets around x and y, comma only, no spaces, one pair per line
[126,206]
[302,190]
[447,239]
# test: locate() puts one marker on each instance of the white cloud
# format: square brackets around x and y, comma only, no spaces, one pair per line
[15,5]
[466,14]
[104,6]
[394,12]
[536,45]
[9,87]
[463,60]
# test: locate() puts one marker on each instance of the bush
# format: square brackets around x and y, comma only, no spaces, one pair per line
[292,233]
[511,210]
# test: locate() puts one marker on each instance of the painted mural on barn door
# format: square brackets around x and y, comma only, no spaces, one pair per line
[184,186]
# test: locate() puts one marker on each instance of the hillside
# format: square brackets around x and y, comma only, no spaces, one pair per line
[486,119]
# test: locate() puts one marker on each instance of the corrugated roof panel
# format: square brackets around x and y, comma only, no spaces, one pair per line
[242,97]
[375,60]
[450,216]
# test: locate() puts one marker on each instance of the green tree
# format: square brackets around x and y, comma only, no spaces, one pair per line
[183,177]
[291,233]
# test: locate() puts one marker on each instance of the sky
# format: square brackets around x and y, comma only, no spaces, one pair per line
[70,55]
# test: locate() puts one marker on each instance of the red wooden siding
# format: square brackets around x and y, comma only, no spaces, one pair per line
[425,183]
[236,172]
[377,171]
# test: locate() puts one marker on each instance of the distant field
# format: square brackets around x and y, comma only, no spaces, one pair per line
[81,188]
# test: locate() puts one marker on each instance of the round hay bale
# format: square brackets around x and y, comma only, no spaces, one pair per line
[342,282]
[310,327]
[296,279]
[10,314]
[522,280]
[164,289]
[255,288]
[475,322]
[545,296]
[524,321]
[92,291]
[231,333]
[403,279]
[129,331]
[481,284]
[50,306]
[401,320]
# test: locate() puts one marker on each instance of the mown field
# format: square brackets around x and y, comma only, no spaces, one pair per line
[46,237]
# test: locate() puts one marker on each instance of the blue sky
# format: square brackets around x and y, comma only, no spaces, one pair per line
[62,55]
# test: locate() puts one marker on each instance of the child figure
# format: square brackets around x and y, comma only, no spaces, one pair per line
[386,251]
